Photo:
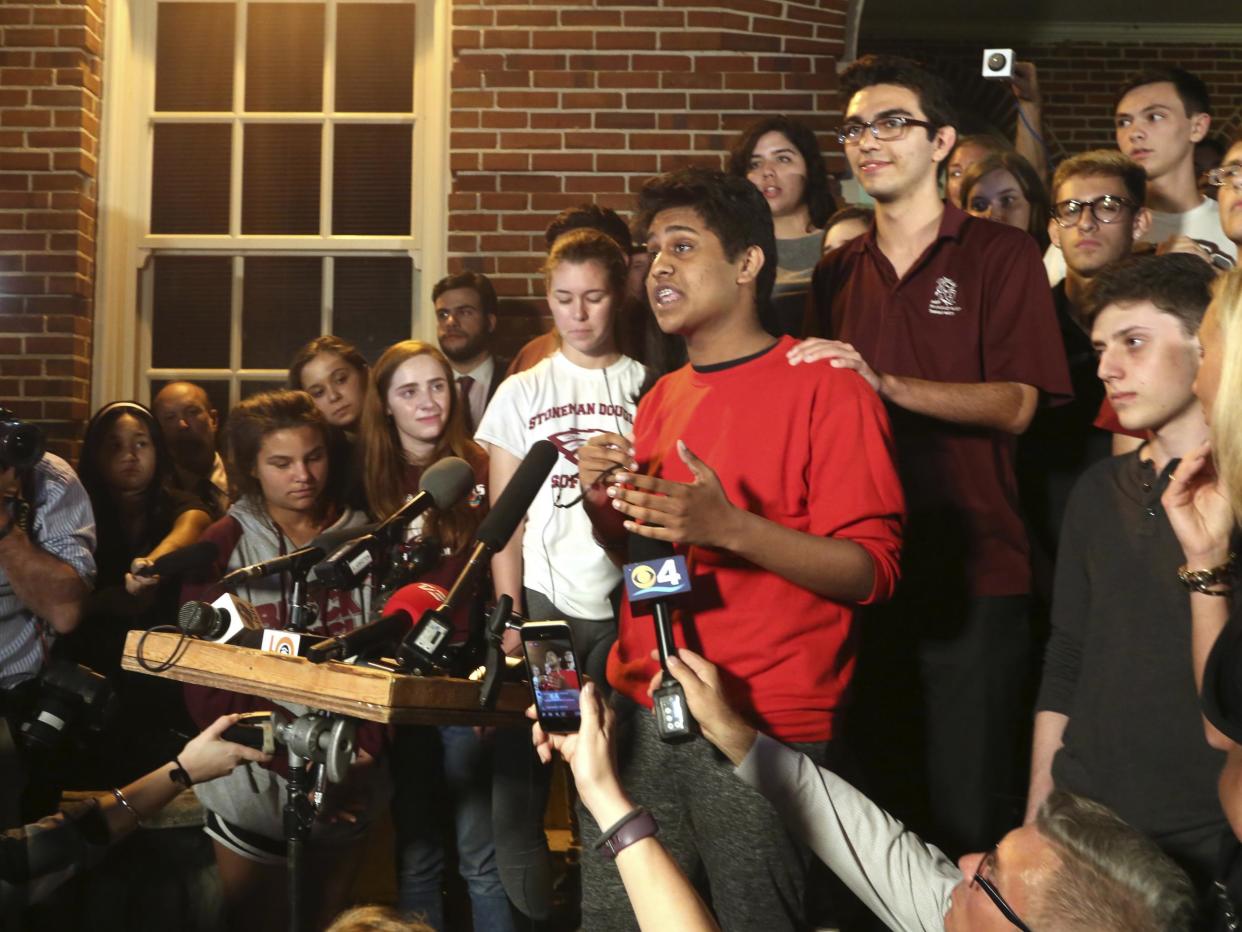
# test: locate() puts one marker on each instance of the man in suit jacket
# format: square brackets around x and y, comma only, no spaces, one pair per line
[465,306]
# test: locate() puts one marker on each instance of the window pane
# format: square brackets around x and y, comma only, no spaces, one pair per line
[375,57]
[371,180]
[190,178]
[194,57]
[280,190]
[284,56]
[280,308]
[190,325]
[371,298]
[253,387]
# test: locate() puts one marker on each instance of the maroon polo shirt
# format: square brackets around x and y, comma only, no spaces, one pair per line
[975,307]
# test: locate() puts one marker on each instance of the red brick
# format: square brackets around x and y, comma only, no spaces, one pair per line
[530,183]
[645,101]
[597,18]
[526,18]
[24,161]
[659,141]
[506,39]
[564,39]
[663,63]
[467,17]
[505,161]
[562,161]
[596,141]
[591,101]
[638,41]
[27,77]
[572,120]
[696,80]
[629,80]
[35,118]
[531,100]
[29,38]
[530,61]
[622,119]
[530,140]
[506,119]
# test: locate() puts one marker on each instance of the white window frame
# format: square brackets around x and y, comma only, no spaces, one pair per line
[123,282]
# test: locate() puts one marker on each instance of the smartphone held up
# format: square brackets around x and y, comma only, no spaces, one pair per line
[555,677]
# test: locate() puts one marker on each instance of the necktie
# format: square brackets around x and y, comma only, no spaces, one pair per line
[464,384]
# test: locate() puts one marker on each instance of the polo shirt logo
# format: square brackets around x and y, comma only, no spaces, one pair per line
[944,301]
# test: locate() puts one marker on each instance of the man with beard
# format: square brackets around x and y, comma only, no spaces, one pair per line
[465,319]
[189,423]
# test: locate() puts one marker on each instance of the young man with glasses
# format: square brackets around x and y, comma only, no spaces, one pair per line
[949,318]
[465,320]
[1097,217]
[1118,716]
[1159,117]
[1227,179]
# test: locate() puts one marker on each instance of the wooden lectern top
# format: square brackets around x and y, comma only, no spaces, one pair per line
[361,692]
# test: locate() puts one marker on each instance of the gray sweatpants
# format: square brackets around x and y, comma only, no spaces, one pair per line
[724,834]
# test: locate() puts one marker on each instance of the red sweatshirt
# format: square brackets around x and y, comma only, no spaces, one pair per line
[808,447]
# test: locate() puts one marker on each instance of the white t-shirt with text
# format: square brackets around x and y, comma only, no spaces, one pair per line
[559,401]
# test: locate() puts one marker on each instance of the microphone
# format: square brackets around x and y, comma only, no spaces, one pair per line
[227,620]
[404,608]
[653,573]
[424,644]
[444,484]
[297,562]
[183,560]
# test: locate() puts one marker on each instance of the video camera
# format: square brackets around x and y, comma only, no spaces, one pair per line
[47,707]
[21,444]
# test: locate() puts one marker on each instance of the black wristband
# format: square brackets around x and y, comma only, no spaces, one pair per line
[179,775]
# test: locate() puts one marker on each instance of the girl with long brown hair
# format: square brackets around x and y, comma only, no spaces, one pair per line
[413,418]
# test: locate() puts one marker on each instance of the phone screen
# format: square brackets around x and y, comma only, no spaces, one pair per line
[554,679]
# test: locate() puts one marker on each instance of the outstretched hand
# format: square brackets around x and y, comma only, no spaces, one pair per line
[692,513]
[1198,510]
[705,695]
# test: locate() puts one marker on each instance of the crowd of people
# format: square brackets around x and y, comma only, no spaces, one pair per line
[955,474]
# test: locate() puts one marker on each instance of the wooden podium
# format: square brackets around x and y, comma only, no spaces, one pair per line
[360,692]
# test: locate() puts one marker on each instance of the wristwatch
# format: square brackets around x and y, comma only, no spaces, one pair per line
[179,775]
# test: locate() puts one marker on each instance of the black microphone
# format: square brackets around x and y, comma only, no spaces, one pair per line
[444,484]
[296,562]
[423,645]
[183,560]
[228,620]
[404,608]
[674,723]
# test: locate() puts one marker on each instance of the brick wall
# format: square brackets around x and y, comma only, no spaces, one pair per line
[554,104]
[1079,81]
[50,68]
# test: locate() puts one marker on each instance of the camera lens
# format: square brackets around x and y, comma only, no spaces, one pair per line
[21,445]
[996,61]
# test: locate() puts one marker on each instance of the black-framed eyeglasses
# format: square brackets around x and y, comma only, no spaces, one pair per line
[1225,175]
[885,129]
[1107,208]
[987,887]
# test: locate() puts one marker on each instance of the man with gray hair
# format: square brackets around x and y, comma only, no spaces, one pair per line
[1076,868]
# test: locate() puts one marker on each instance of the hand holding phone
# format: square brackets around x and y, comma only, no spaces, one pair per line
[589,755]
[555,677]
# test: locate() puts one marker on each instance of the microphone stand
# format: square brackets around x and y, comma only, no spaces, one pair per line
[302,612]
[502,619]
